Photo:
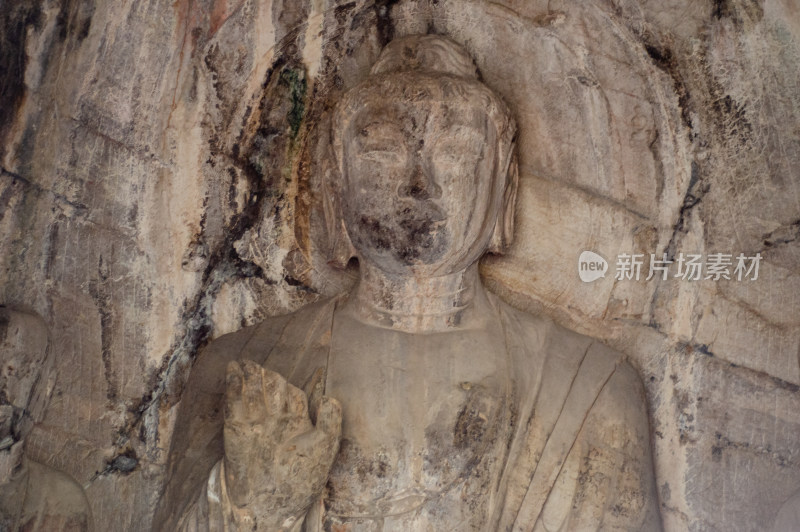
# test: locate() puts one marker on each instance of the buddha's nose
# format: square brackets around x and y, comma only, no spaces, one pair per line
[420,184]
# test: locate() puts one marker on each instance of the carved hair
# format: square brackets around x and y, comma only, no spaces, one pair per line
[423,68]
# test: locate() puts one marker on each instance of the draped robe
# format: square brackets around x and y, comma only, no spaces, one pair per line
[578,452]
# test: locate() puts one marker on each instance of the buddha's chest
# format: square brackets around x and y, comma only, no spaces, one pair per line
[423,417]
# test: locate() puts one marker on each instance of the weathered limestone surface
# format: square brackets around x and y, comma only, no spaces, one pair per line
[443,408]
[160,187]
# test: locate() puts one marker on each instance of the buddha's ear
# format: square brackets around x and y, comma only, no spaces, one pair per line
[340,248]
[503,232]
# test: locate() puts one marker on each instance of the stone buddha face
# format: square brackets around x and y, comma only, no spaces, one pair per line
[426,182]
[419,185]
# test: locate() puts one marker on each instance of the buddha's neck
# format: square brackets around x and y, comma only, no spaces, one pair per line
[417,304]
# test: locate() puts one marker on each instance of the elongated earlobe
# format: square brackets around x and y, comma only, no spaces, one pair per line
[503,233]
[340,248]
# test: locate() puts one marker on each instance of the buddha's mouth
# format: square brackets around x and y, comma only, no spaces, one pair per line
[424,211]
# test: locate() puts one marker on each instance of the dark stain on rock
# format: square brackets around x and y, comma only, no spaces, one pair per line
[722,443]
[716,449]
[259,156]
[299,265]
[353,460]
[291,281]
[16,17]
[133,214]
[383,22]
[3,334]
[415,235]
[664,59]
[50,249]
[26,150]
[732,116]
[275,129]
[74,19]
[17,187]
[694,194]
[294,79]
[123,463]
[381,237]
[785,385]
[98,289]
[361,20]
[472,422]
[743,13]
[232,186]
[418,236]
[703,349]
[722,8]
[783,235]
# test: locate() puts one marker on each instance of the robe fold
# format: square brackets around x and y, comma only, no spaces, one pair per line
[578,457]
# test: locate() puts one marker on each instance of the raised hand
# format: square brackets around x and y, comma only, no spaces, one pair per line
[276,461]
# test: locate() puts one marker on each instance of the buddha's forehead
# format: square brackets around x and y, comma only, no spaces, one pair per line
[423,115]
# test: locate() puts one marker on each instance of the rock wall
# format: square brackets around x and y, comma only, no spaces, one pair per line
[160,187]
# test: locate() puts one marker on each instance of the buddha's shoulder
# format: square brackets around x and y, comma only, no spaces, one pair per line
[539,336]
[257,341]
[561,354]
[268,331]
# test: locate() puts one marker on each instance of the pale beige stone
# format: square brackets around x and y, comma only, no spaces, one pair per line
[146,133]
[448,409]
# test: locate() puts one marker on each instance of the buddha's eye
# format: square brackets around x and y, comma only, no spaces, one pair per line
[461,148]
[448,156]
[383,157]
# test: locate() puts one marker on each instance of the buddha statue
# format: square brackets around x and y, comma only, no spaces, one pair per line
[419,400]
[33,496]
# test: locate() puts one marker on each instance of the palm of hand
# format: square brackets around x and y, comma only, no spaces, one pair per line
[276,460]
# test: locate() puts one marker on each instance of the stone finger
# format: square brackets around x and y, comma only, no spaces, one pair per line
[274,392]
[234,380]
[329,417]
[296,402]
[253,406]
[296,411]
[315,388]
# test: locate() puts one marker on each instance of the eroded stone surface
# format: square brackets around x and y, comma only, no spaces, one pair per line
[457,412]
[179,142]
